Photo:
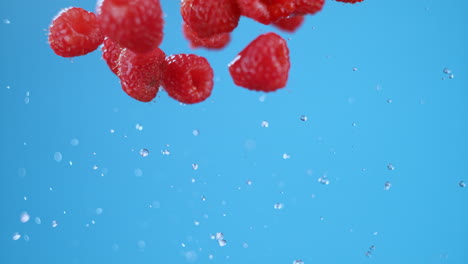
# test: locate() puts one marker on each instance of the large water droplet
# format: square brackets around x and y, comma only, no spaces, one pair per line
[144,152]
[462,184]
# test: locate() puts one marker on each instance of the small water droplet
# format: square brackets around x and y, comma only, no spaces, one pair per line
[354,124]
[298,261]
[265,124]
[54,223]
[195,132]
[95,167]
[278,206]
[203,198]
[138,172]
[249,182]
[6,21]
[219,236]
[462,184]
[196,223]
[262,98]
[368,254]
[451,76]
[389,101]
[141,244]
[303,118]
[8,87]
[58,156]
[354,69]
[195,166]
[24,217]
[138,127]
[324,180]
[387,185]
[26,238]
[21,172]
[222,242]
[210,256]
[372,248]
[165,152]
[390,167]
[37,220]
[74,142]
[286,156]
[98,211]
[16,236]
[144,152]
[112,131]
[447,71]
[26,100]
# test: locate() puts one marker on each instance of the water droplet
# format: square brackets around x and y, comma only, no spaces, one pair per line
[368,254]
[389,101]
[16,236]
[141,244]
[375,233]
[25,198]
[278,206]
[390,167]
[262,98]
[182,244]
[74,142]
[22,172]
[387,185]
[303,118]
[372,248]
[462,184]
[26,100]
[219,236]
[354,69]
[165,152]
[98,211]
[354,124]
[138,172]
[286,156]
[138,127]
[245,245]
[6,21]
[193,180]
[26,238]
[24,217]
[112,131]
[451,76]
[8,87]
[210,256]
[222,242]
[265,124]
[58,156]
[95,167]
[447,71]
[298,261]
[195,132]
[195,166]
[37,220]
[323,180]
[54,223]
[144,152]
[249,182]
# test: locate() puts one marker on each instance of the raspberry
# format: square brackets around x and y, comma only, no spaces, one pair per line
[350,1]
[214,42]
[140,74]
[188,78]
[289,24]
[308,6]
[266,11]
[74,32]
[263,65]
[210,17]
[134,24]
[110,53]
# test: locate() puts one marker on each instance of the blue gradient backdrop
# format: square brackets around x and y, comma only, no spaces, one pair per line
[397,106]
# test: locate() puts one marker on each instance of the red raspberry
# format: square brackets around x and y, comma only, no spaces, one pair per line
[349,1]
[188,78]
[110,53]
[74,32]
[134,24]
[214,42]
[263,65]
[266,11]
[210,17]
[308,6]
[140,74]
[289,24]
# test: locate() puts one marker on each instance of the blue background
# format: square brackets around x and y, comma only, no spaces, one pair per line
[396,107]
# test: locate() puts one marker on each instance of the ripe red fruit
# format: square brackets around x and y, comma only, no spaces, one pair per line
[266,11]
[110,53]
[210,17]
[263,65]
[349,1]
[214,42]
[289,24]
[308,6]
[188,78]
[134,24]
[74,32]
[140,74]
